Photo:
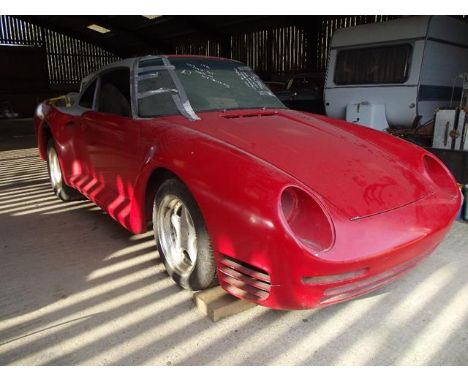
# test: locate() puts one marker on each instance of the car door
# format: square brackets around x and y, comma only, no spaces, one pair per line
[112,144]
[70,140]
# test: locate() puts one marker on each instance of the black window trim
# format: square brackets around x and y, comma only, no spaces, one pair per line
[365,47]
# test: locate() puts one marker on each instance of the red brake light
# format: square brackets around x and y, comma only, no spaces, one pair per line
[306,219]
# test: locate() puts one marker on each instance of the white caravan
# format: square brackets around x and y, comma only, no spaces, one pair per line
[396,73]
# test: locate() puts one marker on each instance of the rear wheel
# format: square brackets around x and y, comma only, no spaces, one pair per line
[182,238]
[60,189]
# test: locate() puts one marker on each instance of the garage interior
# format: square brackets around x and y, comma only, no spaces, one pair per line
[77,288]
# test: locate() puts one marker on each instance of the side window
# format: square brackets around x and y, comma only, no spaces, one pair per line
[375,65]
[114,93]
[87,98]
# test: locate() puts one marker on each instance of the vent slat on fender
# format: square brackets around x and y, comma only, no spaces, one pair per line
[242,293]
[246,269]
[244,280]
[246,288]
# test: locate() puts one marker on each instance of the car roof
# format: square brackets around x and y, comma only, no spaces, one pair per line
[129,62]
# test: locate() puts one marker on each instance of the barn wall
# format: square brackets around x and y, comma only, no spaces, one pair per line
[38,63]
[276,48]
[275,53]
[68,59]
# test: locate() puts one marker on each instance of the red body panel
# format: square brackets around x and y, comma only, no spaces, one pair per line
[384,208]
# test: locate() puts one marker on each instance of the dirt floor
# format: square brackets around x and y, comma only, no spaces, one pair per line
[76,288]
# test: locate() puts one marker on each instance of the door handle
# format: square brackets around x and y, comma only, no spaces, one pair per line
[70,125]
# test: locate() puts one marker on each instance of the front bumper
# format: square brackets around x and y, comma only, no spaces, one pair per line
[378,250]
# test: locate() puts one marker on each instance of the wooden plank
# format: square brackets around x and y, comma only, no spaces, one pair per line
[218,304]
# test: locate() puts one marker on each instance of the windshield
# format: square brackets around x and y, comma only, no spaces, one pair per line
[207,85]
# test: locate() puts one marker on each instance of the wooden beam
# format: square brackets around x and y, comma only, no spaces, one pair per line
[217,303]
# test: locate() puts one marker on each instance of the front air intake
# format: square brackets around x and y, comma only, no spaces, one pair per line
[261,113]
[244,280]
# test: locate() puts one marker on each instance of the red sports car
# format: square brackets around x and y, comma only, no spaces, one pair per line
[287,209]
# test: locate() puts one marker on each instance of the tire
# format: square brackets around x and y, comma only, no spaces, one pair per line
[59,187]
[182,238]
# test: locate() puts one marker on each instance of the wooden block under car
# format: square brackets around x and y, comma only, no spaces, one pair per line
[218,304]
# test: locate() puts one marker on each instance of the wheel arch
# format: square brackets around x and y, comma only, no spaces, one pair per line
[155,179]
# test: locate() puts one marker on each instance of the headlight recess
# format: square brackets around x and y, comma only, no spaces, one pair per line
[306,219]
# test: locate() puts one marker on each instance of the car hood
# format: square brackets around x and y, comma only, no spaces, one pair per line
[357,176]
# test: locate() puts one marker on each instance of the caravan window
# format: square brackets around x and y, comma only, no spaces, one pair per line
[377,65]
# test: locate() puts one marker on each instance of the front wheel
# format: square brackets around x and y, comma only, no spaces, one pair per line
[182,238]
